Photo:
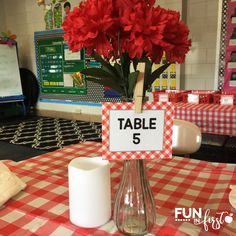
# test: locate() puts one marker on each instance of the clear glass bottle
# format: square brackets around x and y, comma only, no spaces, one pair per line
[134,210]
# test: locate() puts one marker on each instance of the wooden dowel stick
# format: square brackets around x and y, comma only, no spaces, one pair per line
[138,90]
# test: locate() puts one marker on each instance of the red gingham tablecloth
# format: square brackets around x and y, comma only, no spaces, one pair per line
[42,208]
[211,118]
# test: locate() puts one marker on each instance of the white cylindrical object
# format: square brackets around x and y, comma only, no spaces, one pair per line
[89,191]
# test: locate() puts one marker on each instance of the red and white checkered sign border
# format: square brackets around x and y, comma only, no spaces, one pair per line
[168,124]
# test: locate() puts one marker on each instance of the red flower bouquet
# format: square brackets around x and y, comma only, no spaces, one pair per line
[126,31]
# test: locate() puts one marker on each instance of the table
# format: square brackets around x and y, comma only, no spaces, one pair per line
[211,118]
[42,208]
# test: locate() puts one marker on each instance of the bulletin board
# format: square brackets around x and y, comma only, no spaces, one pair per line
[226,77]
[56,66]
[169,79]
[10,82]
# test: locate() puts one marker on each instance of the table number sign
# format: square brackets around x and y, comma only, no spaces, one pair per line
[163,97]
[130,135]
[227,100]
[193,98]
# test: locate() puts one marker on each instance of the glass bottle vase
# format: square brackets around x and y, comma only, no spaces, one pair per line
[134,209]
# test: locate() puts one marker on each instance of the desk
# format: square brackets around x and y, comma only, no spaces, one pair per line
[211,118]
[42,208]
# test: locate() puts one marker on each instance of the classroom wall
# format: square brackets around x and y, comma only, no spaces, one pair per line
[202,18]
[171,4]
[24,17]
[2,16]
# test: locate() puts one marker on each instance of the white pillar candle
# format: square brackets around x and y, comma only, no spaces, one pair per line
[89,191]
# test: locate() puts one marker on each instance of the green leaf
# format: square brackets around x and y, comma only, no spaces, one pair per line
[142,59]
[135,63]
[154,75]
[102,73]
[101,76]
[147,73]
[114,75]
[118,70]
[99,73]
[132,82]
[105,64]
[125,65]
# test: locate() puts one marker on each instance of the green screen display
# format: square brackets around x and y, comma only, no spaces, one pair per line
[58,66]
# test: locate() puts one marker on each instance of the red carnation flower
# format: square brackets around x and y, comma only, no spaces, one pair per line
[91,26]
[143,28]
[130,31]
[175,41]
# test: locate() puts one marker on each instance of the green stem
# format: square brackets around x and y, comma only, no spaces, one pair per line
[126,93]
[124,79]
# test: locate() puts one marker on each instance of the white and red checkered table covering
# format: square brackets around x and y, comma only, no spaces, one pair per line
[42,208]
[211,118]
[166,152]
